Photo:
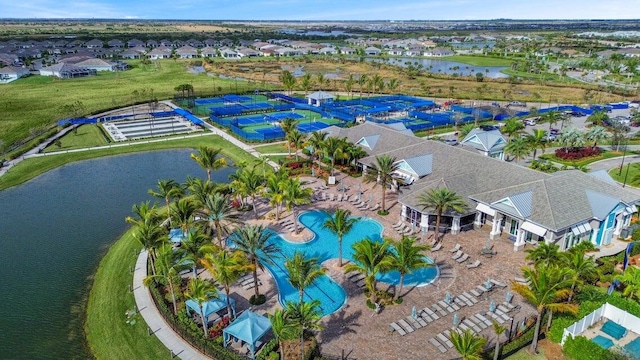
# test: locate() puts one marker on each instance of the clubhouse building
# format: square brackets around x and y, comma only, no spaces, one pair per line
[524,205]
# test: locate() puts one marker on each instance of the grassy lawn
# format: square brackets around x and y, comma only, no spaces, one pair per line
[630,172]
[578,163]
[272,148]
[546,77]
[108,335]
[87,136]
[33,167]
[525,355]
[44,97]
[479,60]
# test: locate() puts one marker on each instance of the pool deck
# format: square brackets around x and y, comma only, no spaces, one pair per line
[356,329]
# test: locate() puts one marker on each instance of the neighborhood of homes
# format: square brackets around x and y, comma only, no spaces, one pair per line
[519,204]
[69,58]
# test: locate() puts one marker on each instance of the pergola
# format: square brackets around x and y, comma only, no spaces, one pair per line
[248,327]
[212,306]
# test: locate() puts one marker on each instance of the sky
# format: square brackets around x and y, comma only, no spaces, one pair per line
[322,9]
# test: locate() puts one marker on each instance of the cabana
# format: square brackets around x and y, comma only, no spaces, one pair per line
[177,236]
[211,306]
[248,327]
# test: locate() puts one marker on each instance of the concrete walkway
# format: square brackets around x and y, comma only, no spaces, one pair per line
[152,317]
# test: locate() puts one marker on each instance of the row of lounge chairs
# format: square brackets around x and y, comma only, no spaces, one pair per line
[406,229]
[247,282]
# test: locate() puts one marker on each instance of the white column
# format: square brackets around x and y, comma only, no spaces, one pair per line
[403,213]
[495,228]
[455,225]
[519,244]
[424,221]
[476,221]
[364,169]
[618,229]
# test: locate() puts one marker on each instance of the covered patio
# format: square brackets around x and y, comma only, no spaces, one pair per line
[249,328]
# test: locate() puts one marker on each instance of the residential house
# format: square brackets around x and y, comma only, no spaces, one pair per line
[211,43]
[115,43]
[97,65]
[347,51]
[247,52]
[187,52]
[209,52]
[489,143]
[151,44]
[396,51]
[228,53]
[328,50]
[12,73]
[133,53]
[372,51]
[66,71]
[438,52]
[517,204]
[136,43]
[94,44]
[414,51]
[195,43]
[161,52]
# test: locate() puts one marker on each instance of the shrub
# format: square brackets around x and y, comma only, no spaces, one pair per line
[261,299]
[399,300]
[581,348]
[635,236]
[268,350]
[370,304]
[216,330]
[577,153]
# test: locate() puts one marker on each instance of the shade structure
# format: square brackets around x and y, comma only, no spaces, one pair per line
[414,313]
[492,306]
[212,306]
[456,319]
[248,327]
[447,298]
[178,236]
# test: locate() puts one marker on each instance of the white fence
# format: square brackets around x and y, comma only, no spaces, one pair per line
[607,311]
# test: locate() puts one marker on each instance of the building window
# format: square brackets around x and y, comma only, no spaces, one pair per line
[513,229]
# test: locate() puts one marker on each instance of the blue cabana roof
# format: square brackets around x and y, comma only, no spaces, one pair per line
[248,327]
[212,306]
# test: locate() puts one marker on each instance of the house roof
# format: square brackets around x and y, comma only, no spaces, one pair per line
[94,62]
[485,140]
[602,175]
[320,95]
[421,165]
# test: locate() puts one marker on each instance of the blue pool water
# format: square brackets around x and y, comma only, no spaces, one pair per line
[324,246]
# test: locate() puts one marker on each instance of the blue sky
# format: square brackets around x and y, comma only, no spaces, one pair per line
[322,9]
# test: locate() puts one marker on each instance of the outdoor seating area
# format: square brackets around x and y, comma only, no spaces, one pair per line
[614,330]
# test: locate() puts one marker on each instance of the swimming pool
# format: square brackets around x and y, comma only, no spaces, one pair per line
[324,246]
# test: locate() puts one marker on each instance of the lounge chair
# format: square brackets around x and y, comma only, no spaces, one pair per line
[375,208]
[437,247]
[438,345]
[456,248]
[405,325]
[345,198]
[474,265]
[398,224]
[395,327]
[457,255]
[331,197]
[497,283]
[463,258]
[339,198]
[445,340]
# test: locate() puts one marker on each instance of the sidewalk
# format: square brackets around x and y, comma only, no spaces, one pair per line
[152,317]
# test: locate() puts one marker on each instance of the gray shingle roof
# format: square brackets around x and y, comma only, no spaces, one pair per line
[601,204]
[485,140]
[422,165]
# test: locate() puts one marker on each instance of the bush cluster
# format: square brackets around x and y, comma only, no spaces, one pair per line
[581,348]
[577,153]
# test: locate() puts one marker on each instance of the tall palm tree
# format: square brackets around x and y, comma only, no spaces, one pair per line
[306,83]
[288,125]
[334,149]
[468,345]
[498,329]
[283,327]
[219,215]
[544,254]
[249,183]
[296,139]
[465,130]
[631,281]
[308,317]
[302,272]
[598,118]
[408,257]
[362,82]
[201,291]
[195,247]
[288,80]
[581,267]
[201,189]
[595,134]
[537,140]
[210,159]
[348,85]
[316,141]
[182,212]
[354,153]
[274,189]
[226,267]
[263,161]
[167,190]
[340,224]
[151,236]
[253,241]
[512,127]
[547,289]
[371,258]
[551,118]
[145,213]
[167,272]
[382,173]
[295,195]
[441,200]
[518,148]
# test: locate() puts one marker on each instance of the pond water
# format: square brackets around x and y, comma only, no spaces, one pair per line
[54,230]
[446,67]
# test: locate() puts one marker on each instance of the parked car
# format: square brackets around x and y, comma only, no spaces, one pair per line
[530,122]
[488,127]
[517,103]
[552,137]
[451,141]
[554,131]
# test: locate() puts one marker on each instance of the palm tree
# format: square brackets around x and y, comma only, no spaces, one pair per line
[283,328]
[512,127]
[362,81]
[631,280]
[595,134]
[354,153]
[201,189]
[288,80]
[275,189]
[316,141]
[296,138]
[151,236]
[263,160]
[253,241]
[547,289]
[320,80]
[468,345]
[551,117]
[182,212]
[201,291]
[295,195]
[393,84]
[537,140]
[518,148]
[408,258]
[571,138]
[306,83]
[219,215]
[167,190]
[334,149]
[544,254]
[371,258]
[302,272]
[340,224]
[598,118]
[288,125]
[249,183]
[498,330]
[307,316]
[581,267]
[195,247]
[146,214]
[441,200]
[382,173]
[348,85]
[167,272]
[209,159]
[465,130]
[226,267]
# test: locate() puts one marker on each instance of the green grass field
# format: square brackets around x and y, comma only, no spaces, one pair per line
[37,101]
[87,136]
[479,60]
[33,167]
[629,172]
[108,335]
[272,148]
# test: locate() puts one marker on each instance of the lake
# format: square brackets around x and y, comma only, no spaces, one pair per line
[446,67]
[54,230]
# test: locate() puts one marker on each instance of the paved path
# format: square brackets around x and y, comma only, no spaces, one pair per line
[152,316]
